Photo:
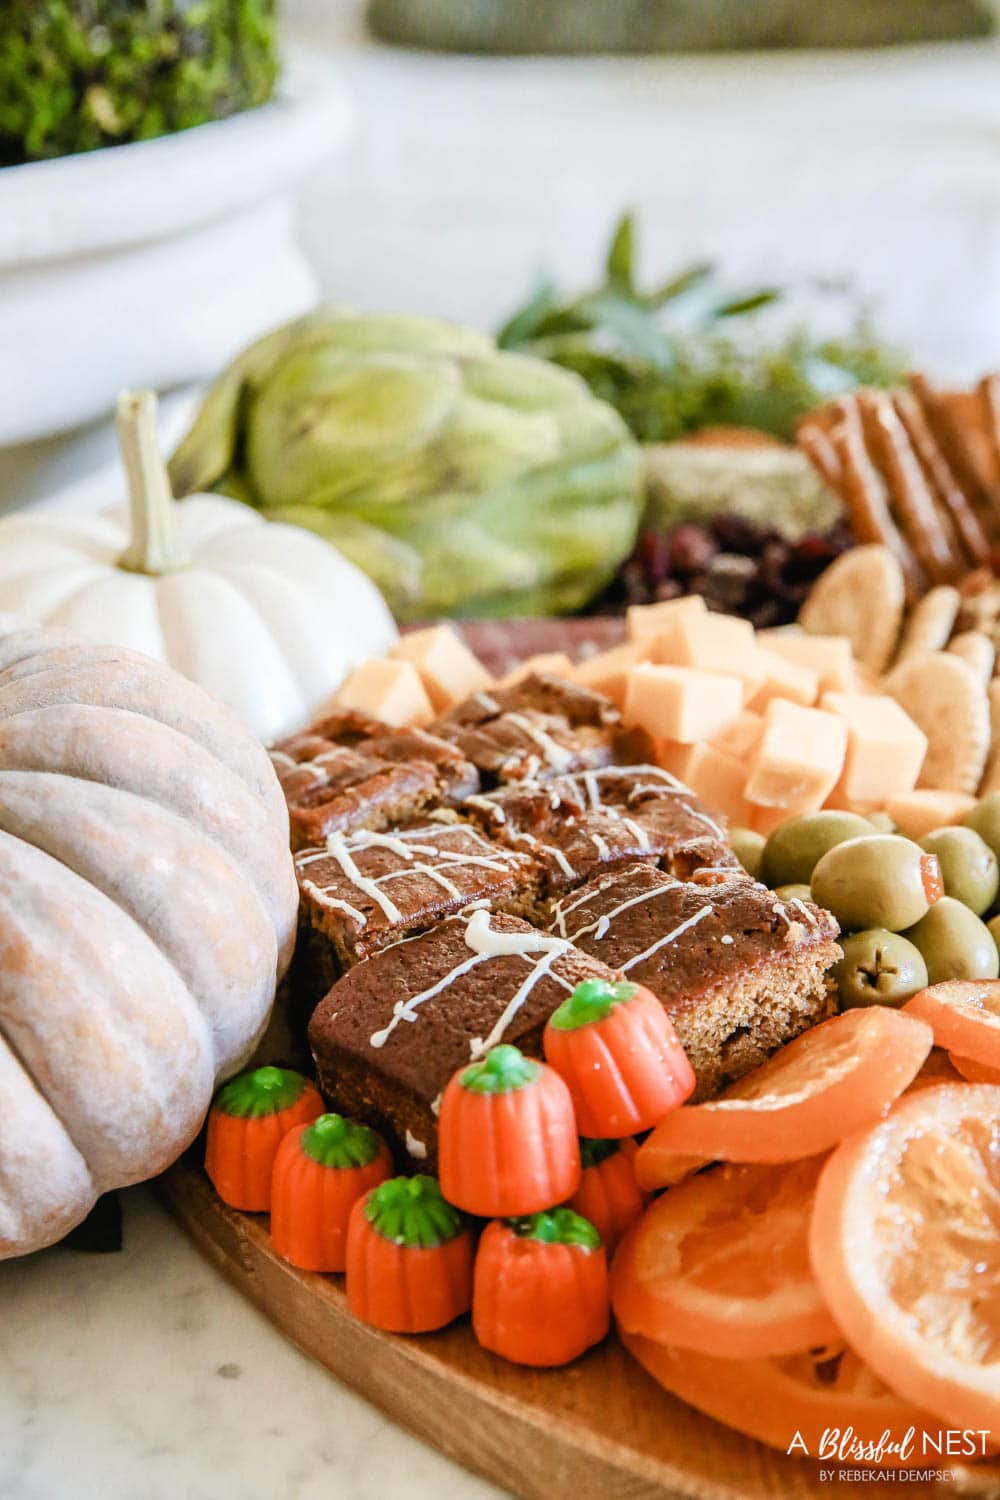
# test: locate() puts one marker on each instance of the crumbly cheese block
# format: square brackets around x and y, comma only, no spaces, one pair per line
[740,737]
[447,668]
[712,643]
[719,780]
[681,703]
[919,812]
[389,690]
[784,679]
[765,820]
[829,656]
[608,671]
[648,620]
[885,749]
[798,759]
[552,663]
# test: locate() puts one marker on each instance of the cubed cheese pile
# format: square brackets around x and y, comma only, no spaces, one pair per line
[763,725]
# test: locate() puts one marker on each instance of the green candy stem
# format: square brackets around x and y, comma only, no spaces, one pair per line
[335,1142]
[265,1091]
[411,1212]
[593,1152]
[591,1001]
[557,1226]
[501,1071]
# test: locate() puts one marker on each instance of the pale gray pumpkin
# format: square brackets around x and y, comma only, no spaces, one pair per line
[147,909]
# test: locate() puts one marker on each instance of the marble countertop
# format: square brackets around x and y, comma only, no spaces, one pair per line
[145,1376]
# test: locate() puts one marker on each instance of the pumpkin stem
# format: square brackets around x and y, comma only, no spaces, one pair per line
[153,548]
[411,1212]
[557,1226]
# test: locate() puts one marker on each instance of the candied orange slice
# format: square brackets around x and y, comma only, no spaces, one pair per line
[905,1245]
[972,1071]
[834,1079]
[721,1264]
[826,1404]
[964,1015]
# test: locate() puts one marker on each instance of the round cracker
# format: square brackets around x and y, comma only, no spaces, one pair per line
[991,775]
[860,595]
[944,697]
[929,624]
[978,650]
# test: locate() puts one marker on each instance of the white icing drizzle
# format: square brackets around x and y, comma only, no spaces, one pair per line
[405,846]
[436,1104]
[704,911]
[727,938]
[637,831]
[600,927]
[478,1047]
[555,754]
[488,702]
[415,1148]
[561,911]
[488,804]
[282,758]
[600,846]
[485,943]
[803,908]
[319,894]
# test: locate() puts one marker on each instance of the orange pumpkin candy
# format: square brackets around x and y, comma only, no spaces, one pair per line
[320,1172]
[507,1139]
[250,1118]
[619,1055]
[608,1195]
[541,1288]
[409,1257]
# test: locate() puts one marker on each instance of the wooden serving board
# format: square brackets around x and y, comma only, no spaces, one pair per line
[601,1429]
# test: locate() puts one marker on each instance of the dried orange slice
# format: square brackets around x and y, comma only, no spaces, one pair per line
[964,1015]
[972,1071]
[835,1079]
[825,1404]
[905,1245]
[721,1264]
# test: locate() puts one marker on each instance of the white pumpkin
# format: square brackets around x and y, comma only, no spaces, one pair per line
[270,618]
[147,908]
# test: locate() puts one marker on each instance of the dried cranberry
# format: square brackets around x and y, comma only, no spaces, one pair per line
[654,553]
[691,549]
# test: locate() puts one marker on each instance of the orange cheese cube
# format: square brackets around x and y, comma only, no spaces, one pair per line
[648,620]
[552,663]
[784,679]
[389,690]
[719,780]
[919,812]
[680,703]
[829,656]
[885,749]
[674,758]
[711,643]
[766,819]
[798,759]
[447,668]
[607,672]
[740,737]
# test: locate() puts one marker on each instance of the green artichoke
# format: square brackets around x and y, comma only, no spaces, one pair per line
[463,479]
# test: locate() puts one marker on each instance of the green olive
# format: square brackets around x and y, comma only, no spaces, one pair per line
[878,968]
[985,819]
[876,881]
[881,822]
[954,943]
[793,892]
[748,848]
[969,867]
[794,848]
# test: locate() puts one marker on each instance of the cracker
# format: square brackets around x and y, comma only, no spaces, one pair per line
[942,694]
[929,624]
[978,650]
[860,595]
[991,775]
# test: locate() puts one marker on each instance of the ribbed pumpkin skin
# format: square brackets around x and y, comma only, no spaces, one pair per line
[147,908]
[505,1154]
[538,1304]
[240,1154]
[406,1290]
[311,1204]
